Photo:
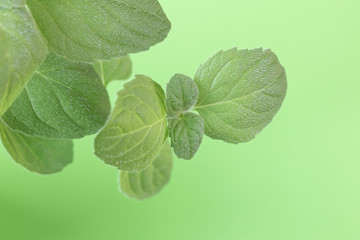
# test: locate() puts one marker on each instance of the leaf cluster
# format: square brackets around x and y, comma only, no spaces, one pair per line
[56,59]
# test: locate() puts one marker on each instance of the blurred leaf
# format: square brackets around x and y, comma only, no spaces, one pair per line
[22,49]
[147,183]
[114,69]
[39,155]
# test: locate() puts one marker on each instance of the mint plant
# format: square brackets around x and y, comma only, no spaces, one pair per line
[56,59]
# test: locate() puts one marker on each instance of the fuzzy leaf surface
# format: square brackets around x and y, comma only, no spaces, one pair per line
[240,91]
[100,29]
[137,126]
[186,134]
[62,100]
[181,95]
[185,128]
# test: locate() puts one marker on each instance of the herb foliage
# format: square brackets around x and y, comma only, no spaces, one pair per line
[56,59]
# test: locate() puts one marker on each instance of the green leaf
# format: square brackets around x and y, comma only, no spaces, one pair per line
[147,183]
[181,95]
[185,128]
[39,155]
[62,100]
[115,69]
[22,49]
[186,134]
[240,91]
[100,29]
[137,127]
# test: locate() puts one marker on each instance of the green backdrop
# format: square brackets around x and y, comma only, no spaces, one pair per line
[298,180]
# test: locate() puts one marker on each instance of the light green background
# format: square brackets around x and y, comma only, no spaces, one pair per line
[298,180]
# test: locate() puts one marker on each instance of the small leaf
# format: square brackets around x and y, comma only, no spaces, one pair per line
[186,134]
[100,29]
[22,49]
[137,127]
[147,183]
[185,128]
[39,155]
[62,100]
[240,91]
[181,95]
[112,70]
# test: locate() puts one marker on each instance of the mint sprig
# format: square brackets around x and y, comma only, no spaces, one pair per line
[56,59]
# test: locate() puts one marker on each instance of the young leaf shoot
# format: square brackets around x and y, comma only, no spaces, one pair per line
[185,127]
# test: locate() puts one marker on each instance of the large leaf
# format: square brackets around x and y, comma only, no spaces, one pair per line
[39,155]
[100,29]
[147,183]
[114,69]
[22,50]
[240,91]
[185,128]
[62,100]
[137,127]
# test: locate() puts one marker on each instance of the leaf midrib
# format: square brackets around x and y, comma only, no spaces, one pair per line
[235,99]
[137,130]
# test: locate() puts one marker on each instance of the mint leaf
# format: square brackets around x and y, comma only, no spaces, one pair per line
[185,128]
[115,69]
[62,100]
[137,127]
[147,183]
[240,91]
[186,134]
[181,95]
[22,50]
[100,29]
[39,155]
